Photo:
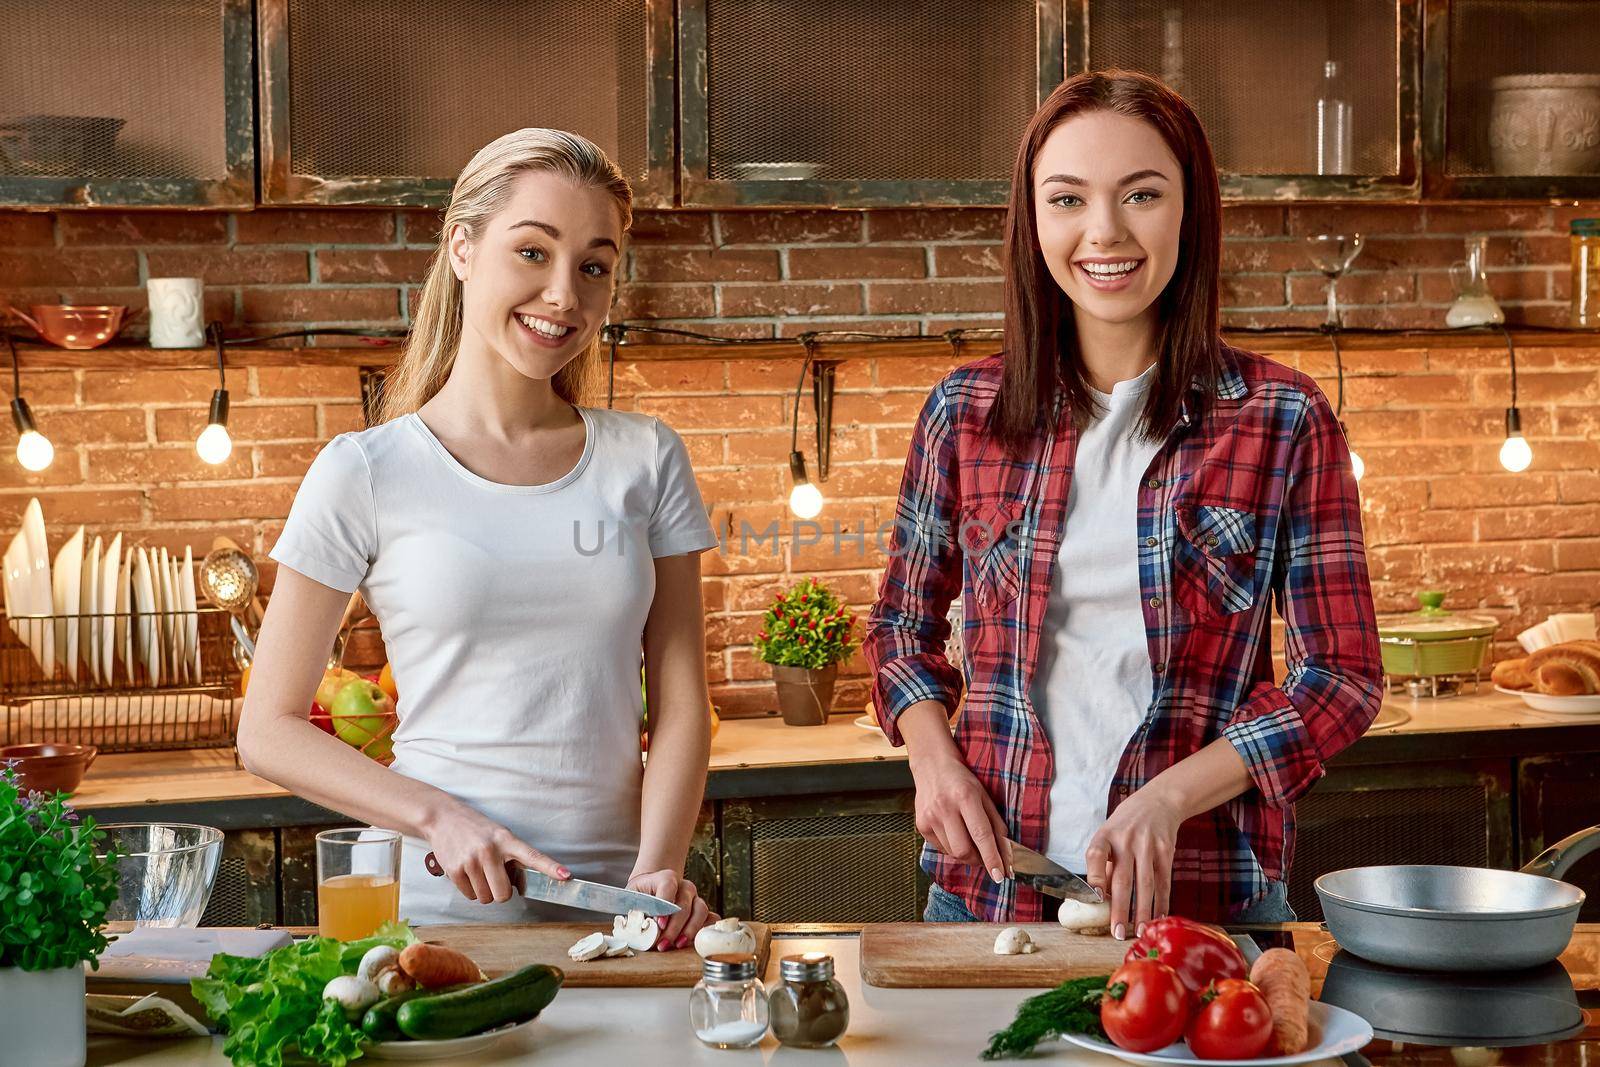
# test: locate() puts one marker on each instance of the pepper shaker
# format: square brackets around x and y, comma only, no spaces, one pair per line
[809,1008]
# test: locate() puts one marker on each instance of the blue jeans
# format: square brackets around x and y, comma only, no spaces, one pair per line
[946,907]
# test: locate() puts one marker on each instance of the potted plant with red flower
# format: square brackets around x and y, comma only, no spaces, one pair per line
[805,635]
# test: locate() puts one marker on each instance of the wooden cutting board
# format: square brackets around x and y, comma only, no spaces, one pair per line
[502,948]
[961,955]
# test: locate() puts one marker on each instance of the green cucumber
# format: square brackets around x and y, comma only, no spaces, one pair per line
[379,1022]
[514,998]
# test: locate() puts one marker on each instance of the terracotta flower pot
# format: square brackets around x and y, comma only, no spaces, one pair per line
[804,695]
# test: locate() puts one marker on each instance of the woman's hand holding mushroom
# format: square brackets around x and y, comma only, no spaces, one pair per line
[678,930]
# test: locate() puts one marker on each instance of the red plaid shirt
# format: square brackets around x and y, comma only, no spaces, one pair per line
[1250,498]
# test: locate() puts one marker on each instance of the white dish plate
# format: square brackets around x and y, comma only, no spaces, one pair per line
[191,618]
[1580,705]
[148,639]
[110,571]
[89,607]
[19,598]
[1342,1032]
[417,1051]
[41,599]
[126,621]
[868,722]
[67,575]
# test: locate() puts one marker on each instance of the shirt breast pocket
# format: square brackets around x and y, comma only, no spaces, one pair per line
[992,544]
[1214,567]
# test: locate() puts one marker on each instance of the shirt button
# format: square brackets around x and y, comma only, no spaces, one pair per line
[1154,483]
[1211,542]
[1155,602]
[1158,667]
[1152,541]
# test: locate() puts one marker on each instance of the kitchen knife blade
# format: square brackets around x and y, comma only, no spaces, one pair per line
[1050,877]
[574,892]
[591,896]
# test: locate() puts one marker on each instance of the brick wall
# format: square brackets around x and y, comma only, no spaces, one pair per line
[1438,509]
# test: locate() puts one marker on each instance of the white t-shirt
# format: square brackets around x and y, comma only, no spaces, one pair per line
[513,617]
[1092,684]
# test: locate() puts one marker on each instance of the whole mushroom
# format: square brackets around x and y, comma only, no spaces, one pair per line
[725,936]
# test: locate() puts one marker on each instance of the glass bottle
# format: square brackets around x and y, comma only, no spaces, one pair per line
[809,1008]
[728,1006]
[1474,304]
[1585,273]
[1335,126]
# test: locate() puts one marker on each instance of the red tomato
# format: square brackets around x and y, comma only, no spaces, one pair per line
[1145,1006]
[1233,1022]
[1200,954]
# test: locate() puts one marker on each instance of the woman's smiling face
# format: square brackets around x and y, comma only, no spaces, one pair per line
[537,283]
[1108,199]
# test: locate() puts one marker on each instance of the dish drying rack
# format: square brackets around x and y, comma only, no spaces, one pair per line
[126,713]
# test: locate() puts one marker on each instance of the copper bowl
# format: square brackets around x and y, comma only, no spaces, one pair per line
[75,325]
[49,768]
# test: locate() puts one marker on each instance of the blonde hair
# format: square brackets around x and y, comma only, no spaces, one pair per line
[479,194]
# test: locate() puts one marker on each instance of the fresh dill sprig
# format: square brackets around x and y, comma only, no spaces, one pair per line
[1073,1007]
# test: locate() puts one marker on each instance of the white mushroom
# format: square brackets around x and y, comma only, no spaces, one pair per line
[639,929]
[376,961]
[355,995]
[590,947]
[617,946]
[1082,918]
[725,936]
[1013,941]
[392,980]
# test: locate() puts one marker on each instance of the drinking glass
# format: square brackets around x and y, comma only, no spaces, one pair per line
[358,881]
[1332,254]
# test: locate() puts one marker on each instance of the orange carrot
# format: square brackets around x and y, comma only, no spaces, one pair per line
[1286,984]
[434,966]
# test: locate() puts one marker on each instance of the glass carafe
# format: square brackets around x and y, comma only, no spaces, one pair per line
[1474,305]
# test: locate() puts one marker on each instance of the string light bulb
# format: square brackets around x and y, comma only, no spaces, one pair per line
[1515,455]
[214,445]
[34,450]
[805,499]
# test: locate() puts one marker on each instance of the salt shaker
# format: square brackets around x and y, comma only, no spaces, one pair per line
[728,1006]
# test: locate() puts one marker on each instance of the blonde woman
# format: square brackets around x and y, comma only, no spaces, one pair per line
[515,547]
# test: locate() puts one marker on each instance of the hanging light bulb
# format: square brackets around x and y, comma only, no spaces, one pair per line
[214,444]
[1515,455]
[34,450]
[805,499]
[1358,466]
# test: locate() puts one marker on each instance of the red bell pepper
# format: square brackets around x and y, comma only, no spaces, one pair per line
[1200,954]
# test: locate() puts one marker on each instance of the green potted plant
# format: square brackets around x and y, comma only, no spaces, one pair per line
[805,635]
[54,892]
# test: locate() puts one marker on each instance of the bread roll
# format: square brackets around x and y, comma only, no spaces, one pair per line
[1512,674]
[1571,668]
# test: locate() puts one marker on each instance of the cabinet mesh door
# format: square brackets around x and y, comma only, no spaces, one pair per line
[1376,827]
[898,90]
[138,93]
[1492,39]
[1253,71]
[835,869]
[412,88]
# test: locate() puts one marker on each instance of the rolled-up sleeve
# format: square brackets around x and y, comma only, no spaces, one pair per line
[907,627]
[1334,683]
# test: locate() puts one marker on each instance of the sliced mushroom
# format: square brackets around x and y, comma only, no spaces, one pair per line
[1081,918]
[639,929]
[1013,941]
[617,946]
[590,947]
[725,936]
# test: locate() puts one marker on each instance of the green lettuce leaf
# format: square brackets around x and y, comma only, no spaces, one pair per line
[273,1006]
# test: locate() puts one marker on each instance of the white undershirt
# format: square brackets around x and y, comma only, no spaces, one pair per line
[1092,684]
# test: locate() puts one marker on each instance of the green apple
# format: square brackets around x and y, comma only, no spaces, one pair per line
[333,681]
[361,713]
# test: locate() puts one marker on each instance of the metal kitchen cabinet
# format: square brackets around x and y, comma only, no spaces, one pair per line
[1557,796]
[127,103]
[1255,71]
[822,859]
[384,101]
[840,103]
[1458,812]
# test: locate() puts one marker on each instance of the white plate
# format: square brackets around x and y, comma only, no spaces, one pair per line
[41,598]
[126,627]
[1342,1031]
[868,722]
[19,598]
[66,576]
[161,583]
[1579,705]
[110,571]
[147,641]
[191,618]
[89,608]
[443,1050]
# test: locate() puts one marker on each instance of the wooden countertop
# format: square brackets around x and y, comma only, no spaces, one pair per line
[199,775]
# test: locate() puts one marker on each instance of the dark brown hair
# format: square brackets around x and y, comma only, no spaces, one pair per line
[1041,353]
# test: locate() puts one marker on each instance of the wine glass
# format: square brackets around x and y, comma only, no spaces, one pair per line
[1332,254]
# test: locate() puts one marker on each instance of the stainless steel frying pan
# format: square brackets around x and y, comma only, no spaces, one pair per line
[1437,918]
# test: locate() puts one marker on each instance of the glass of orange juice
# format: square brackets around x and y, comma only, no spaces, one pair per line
[358,881]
